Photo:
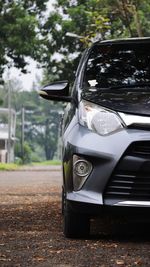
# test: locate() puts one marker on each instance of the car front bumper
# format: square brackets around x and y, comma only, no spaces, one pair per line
[109,155]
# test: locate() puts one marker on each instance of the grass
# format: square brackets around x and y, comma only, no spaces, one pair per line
[47,162]
[13,166]
[8,167]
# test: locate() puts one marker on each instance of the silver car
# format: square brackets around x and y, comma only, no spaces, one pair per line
[106,133]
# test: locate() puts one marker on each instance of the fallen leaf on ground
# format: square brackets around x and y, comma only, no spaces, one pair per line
[119,262]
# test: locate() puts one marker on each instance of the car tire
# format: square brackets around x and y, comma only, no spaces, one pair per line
[63,200]
[75,225]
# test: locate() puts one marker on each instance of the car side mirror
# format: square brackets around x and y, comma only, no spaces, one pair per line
[57,91]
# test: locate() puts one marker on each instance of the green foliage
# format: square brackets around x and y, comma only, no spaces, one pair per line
[88,19]
[41,127]
[27,153]
[25,32]
[8,167]
[47,163]
[19,32]
[1,102]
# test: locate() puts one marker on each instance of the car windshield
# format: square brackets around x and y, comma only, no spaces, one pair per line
[118,65]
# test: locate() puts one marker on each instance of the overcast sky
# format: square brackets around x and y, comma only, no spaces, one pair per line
[28,79]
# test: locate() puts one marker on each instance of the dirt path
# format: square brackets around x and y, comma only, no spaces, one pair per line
[31,229]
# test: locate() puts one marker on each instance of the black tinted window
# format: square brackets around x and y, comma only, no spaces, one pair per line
[117,65]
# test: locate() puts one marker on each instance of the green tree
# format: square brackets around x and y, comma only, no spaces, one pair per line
[20,21]
[46,127]
[128,18]
[79,17]
[41,124]
[87,19]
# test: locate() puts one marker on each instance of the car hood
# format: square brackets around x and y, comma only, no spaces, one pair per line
[123,100]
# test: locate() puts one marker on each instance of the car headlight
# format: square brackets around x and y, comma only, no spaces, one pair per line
[98,119]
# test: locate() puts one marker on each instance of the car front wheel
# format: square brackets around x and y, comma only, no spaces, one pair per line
[75,225]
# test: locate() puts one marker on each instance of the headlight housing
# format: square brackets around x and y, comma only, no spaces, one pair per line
[98,119]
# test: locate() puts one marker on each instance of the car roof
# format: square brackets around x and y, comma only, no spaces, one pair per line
[124,41]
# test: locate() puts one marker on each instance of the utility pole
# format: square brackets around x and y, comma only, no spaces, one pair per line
[9,120]
[22,132]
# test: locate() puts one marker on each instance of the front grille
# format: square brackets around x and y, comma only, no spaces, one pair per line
[139,149]
[131,178]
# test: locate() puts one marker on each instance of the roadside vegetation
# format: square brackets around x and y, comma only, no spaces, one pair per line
[47,163]
[14,167]
[8,166]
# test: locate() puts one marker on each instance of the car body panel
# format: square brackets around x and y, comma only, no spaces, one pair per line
[103,152]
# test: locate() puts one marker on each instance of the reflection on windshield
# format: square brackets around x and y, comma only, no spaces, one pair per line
[118,65]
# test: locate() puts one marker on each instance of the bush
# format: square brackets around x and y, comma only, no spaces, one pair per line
[27,154]
[26,157]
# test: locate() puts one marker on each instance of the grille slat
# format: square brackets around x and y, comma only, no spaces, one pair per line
[123,194]
[122,182]
[129,184]
[129,189]
[125,176]
[120,187]
[140,149]
[131,178]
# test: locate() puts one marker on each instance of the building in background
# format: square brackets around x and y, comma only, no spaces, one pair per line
[7,134]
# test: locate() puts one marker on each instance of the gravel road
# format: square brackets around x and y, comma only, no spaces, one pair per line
[31,228]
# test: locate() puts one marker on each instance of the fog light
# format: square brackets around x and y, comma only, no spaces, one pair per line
[81,170]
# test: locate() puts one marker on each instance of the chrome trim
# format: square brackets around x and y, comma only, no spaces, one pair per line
[130,119]
[133,203]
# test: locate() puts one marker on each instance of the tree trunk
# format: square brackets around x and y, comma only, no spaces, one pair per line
[127,9]
[137,21]
[127,18]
